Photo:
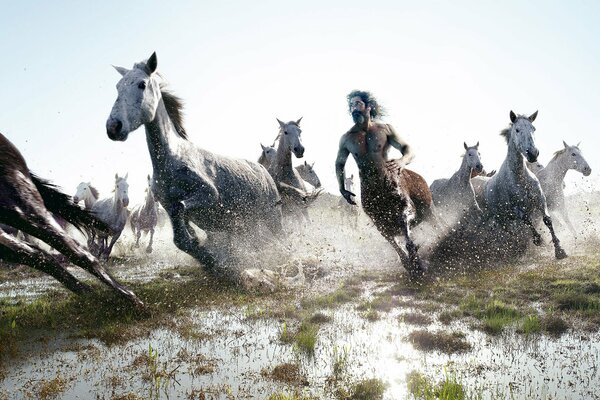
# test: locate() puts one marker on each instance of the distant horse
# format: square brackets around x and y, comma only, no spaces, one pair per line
[144,217]
[455,195]
[349,211]
[534,167]
[215,193]
[308,174]
[514,193]
[306,170]
[26,202]
[551,178]
[113,211]
[294,196]
[267,155]
[89,195]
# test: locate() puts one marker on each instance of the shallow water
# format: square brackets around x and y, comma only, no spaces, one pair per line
[228,351]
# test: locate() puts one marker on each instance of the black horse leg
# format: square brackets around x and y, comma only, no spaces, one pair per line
[15,251]
[52,234]
[416,267]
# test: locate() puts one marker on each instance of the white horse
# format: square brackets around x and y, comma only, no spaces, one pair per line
[552,176]
[455,196]
[294,196]
[267,156]
[349,211]
[144,217]
[89,195]
[112,211]
[308,174]
[216,193]
[514,193]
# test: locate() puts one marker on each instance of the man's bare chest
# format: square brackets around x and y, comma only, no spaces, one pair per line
[361,143]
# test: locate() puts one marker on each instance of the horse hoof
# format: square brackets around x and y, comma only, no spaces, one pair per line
[149,250]
[537,240]
[560,254]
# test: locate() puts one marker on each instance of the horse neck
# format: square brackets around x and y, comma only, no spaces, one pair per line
[514,159]
[557,168]
[117,203]
[283,159]
[89,201]
[149,200]
[463,175]
[161,137]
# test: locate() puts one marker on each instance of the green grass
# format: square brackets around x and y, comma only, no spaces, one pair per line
[421,388]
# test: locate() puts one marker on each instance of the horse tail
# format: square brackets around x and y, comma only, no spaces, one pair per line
[62,205]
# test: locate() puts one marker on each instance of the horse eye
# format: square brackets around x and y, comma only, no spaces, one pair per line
[285,132]
[573,154]
[142,85]
[518,130]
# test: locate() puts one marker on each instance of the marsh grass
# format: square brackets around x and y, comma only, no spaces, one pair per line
[367,389]
[450,388]
[441,341]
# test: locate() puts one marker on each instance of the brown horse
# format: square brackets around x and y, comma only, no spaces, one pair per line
[397,202]
[26,203]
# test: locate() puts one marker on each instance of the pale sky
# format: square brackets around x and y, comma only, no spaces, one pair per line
[447,72]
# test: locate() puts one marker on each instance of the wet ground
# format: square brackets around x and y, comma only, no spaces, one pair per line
[356,323]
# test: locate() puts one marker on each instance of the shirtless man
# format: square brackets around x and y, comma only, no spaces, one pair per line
[383,195]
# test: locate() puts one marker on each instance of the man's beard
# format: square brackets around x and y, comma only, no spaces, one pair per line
[358,117]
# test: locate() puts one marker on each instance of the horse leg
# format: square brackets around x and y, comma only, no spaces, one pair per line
[415,266]
[186,240]
[26,253]
[40,227]
[108,249]
[559,253]
[138,234]
[563,213]
[149,248]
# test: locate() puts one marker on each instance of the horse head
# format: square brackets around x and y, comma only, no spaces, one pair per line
[473,158]
[268,155]
[290,135]
[82,191]
[575,159]
[121,190]
[310,176]
[520,133]
[138,98]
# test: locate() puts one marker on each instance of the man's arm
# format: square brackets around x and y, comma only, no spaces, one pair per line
[340,163]
[397,142]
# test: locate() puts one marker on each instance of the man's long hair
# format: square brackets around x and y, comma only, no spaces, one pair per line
[377,111]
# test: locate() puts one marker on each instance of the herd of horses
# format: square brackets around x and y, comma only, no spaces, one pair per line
[232,196]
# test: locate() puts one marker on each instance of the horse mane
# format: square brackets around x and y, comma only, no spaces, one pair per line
[506,131]
[559,152]
[174,106]
[94,191]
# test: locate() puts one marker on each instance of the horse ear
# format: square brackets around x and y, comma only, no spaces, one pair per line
[116,175]
[477,145]
[298,122]
[121,70]
[533,116]
[262,147]
[565,144]
[148,176]
[513,117]
[281,124]
[151,64]
[466,147]
[578,144]
[305,163]
[313,164]
[126,175]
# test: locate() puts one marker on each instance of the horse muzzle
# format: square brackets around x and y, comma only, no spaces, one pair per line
[532,155]
[587,171]
[299,151]
[114,129]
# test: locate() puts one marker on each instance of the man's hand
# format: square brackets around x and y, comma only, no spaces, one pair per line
[348,196]
[394,166]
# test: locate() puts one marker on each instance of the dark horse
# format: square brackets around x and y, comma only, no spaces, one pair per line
[26,203]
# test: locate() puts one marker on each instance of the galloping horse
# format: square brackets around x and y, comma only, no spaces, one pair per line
[144,217]
[514,193]
[551,179]
[308,174]
[215,193]
[26,202]
[113,211]
[455,195]
[294,195]
[89,195]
